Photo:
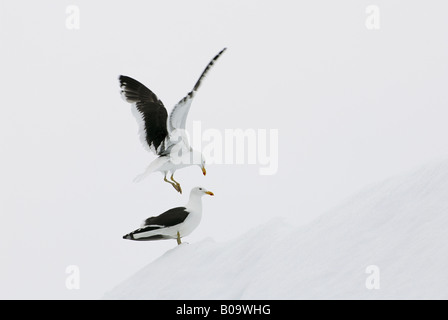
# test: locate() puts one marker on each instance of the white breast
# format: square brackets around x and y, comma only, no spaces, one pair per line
[190,223]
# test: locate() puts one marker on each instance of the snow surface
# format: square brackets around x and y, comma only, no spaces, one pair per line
[399,225]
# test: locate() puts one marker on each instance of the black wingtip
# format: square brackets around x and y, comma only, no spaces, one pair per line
[220,52]
[123,79]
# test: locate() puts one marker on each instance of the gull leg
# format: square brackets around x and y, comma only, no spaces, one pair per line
[177,183]
[178,238]
[175,186]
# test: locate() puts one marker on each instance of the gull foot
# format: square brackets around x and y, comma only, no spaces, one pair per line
[177,187]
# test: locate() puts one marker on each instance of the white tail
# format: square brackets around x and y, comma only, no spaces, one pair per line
[153,166]
[141,176]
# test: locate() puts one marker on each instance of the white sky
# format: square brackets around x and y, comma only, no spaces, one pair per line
[352,106]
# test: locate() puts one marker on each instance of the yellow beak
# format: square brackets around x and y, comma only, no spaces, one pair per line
[204,171]
[210,193]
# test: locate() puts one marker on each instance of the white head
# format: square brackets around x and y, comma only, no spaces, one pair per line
[198,159]
[200,191]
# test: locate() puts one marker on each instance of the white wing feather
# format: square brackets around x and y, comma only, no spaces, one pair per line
[141,127]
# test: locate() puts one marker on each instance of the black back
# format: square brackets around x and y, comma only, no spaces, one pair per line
[168,218]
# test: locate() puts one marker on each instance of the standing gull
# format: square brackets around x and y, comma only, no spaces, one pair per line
[175,223]
[161,134]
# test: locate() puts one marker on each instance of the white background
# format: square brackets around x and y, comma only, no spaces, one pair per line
[352,106]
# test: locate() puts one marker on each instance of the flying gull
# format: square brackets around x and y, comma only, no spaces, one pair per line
[161,134]
[175,223]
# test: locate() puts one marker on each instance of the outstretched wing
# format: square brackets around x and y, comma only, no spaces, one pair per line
[178,116]
[149,111]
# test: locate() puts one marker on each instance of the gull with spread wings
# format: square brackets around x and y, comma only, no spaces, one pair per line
[161,134]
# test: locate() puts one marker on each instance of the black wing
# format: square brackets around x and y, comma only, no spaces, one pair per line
[168,218]
[150,112]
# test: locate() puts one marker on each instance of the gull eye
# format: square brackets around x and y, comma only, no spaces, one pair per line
[200,189]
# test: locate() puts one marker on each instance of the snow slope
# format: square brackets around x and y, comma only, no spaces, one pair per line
[399,225]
